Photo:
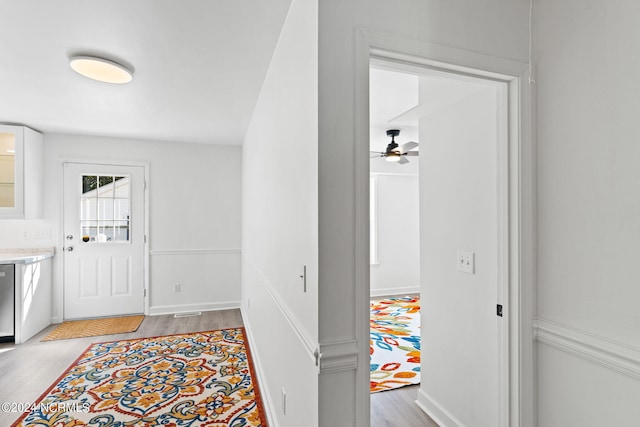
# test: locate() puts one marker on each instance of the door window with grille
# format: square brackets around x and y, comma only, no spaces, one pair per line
[105,209]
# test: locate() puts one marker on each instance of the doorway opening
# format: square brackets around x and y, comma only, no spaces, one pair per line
[440,231]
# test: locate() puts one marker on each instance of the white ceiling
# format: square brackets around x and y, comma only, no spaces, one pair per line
[398,100]
[199,66]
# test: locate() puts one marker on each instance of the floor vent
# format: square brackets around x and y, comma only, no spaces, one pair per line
[195,313]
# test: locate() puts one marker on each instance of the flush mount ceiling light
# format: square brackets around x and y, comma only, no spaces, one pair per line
[100,69]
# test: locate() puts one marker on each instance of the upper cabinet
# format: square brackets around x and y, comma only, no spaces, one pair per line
[21,182]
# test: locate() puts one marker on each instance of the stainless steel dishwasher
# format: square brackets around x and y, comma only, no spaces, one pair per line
[7,302]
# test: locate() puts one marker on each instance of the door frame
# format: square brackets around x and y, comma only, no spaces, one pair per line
[517,202]
[61,241]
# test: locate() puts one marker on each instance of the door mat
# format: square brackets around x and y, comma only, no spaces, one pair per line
[94,327]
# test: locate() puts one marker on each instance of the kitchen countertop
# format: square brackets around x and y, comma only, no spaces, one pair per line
[25,255]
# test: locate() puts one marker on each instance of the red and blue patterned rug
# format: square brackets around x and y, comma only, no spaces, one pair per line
[188,380]
[394,345]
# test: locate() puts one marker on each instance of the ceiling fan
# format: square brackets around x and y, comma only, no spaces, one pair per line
[395,152]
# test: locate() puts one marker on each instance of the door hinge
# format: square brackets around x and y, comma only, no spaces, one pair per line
[145,292]
[145,238]
[145,185]
[499,310]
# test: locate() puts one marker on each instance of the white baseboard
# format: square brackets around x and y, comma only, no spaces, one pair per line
[55,320]
[437,413]
[259,369]
[188,308]
[400,290]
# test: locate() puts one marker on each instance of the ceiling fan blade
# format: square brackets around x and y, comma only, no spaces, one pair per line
[403,160]
[408,146]
[412,153]
[373,154]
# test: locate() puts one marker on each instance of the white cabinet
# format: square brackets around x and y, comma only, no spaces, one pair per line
[33,299]
[21,182]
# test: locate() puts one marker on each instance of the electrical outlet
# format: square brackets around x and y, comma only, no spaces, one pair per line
[177,287]
[466,262]
[284,402]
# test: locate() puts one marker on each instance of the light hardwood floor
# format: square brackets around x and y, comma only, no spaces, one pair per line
[27,370]
[398,408]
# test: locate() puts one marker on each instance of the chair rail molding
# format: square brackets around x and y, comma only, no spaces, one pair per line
[615,355]
[211,251]
[337,356]
[308,343]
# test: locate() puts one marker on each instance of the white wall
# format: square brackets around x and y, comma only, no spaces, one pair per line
[459,205]
[398,235]
[280,223]
[194,196]
[32,233]
[589,210]
[491,27]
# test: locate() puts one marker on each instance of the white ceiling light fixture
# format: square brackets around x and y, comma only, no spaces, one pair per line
[101,69]
[392,157]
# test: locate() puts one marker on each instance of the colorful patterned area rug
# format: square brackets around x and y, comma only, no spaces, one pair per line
[395,343]
[188,380]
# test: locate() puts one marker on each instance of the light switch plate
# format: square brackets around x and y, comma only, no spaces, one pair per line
[466,262]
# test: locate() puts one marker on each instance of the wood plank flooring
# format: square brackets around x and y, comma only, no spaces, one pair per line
[27,370]
[398,408]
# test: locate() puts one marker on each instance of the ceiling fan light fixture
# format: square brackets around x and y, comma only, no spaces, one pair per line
[101,69]
[392,157]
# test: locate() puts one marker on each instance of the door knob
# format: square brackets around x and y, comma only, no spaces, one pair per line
[68,248]
[69,237]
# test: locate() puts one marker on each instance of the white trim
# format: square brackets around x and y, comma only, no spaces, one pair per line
[308,343]
[362,256]
[332,356]
[194,252]
[611,354]
[147,241]
[415,289]
[338,356]
[439,57]
[503,223]
[435,411]
[189,308]
[411,54]
[259,368]
[374,212]
[393,174]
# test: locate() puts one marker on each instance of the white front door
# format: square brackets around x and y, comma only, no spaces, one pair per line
[104,240]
